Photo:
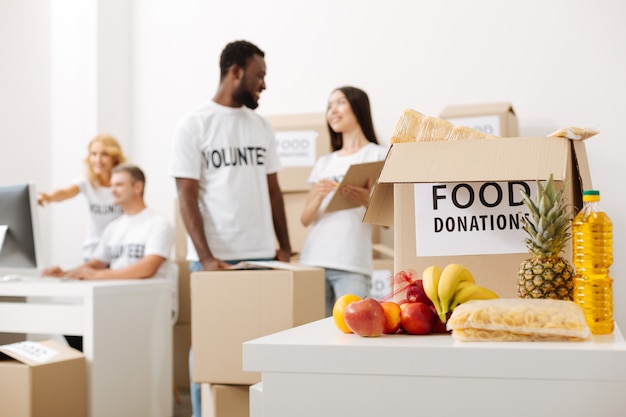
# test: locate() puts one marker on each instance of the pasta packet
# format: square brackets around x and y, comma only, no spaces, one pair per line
[517,319]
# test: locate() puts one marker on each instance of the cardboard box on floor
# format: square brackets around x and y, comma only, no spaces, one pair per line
[493,118]
[301,140]
[181,344]
[42,379]
[430,232]
[230,307]
[184,292]
[225,400]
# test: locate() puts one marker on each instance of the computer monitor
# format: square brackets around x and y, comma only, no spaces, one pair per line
[19,228]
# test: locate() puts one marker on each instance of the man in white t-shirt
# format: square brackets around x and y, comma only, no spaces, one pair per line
[224,160]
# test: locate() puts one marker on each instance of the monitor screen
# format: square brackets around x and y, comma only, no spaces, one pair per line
[19,243]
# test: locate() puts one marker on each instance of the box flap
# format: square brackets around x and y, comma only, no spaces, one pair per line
[480,109]
[39,353]
[504,159]
[380,207]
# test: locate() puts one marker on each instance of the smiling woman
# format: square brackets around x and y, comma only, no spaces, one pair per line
[103,154]
[338,240]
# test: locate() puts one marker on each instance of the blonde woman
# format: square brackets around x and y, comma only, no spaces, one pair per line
[104,153]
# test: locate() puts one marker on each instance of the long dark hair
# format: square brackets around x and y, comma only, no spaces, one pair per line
[360,104]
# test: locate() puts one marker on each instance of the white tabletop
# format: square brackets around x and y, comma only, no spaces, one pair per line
[319,347]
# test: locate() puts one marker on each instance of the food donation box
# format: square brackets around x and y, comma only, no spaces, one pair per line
[460,201]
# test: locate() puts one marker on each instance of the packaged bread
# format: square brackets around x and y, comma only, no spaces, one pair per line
[575,133]
[413,126]
[513,319]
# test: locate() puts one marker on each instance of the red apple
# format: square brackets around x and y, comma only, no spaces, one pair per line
[438,325]
[415,293]
[417,318]
[365,317]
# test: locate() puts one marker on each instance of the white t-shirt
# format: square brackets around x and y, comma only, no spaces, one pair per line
[102,211]
[129,238]
[230,151]
[340,239]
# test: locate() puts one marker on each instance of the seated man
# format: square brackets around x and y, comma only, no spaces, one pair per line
[135,245]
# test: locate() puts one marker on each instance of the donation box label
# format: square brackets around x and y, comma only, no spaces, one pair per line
[470,218]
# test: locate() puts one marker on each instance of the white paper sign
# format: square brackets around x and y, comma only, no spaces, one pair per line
[297,148]
[470,218]
[32,351]
[485,124]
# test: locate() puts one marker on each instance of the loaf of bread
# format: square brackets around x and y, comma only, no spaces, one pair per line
[413,126]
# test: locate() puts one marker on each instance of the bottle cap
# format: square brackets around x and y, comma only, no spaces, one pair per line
[591,195]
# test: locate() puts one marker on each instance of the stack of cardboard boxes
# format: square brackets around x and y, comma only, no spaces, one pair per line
[182,327]
[231,307]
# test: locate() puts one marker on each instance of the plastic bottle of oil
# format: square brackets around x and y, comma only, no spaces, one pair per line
[592,242]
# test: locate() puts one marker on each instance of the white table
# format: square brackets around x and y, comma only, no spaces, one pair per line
[315,370]
[127,337]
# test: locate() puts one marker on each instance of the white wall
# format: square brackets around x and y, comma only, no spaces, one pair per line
[559,63]
[25,93]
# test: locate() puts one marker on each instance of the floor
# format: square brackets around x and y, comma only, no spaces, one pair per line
[183,409]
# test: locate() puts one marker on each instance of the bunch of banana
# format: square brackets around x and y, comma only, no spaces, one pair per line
[451,286]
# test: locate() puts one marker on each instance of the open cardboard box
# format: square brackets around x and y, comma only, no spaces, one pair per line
[42,379]
[435,170]
[229,307]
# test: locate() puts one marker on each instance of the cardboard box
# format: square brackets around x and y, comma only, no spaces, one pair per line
[181,339]
[42,379]
[180,234]
[493,118]
[230,307]
[302,139]
[184,292]
[382,277]
[225,400]
[294,204]
[429,173]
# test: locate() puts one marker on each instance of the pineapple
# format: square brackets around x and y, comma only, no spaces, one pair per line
[546,274]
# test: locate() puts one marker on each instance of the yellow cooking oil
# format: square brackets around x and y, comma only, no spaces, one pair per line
[592,243]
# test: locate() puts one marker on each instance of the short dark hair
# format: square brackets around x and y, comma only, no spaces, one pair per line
[136,174]
[360,104]
[237,53]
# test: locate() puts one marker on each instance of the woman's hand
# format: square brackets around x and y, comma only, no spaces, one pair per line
[357,195]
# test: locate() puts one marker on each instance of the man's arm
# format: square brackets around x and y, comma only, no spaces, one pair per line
[56,271]
[279,218]
[188,191]
[146,267]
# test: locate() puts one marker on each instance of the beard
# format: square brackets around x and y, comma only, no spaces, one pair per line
[245,96]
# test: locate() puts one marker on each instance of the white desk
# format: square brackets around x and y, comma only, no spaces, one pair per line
[127,337]
[314,370]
